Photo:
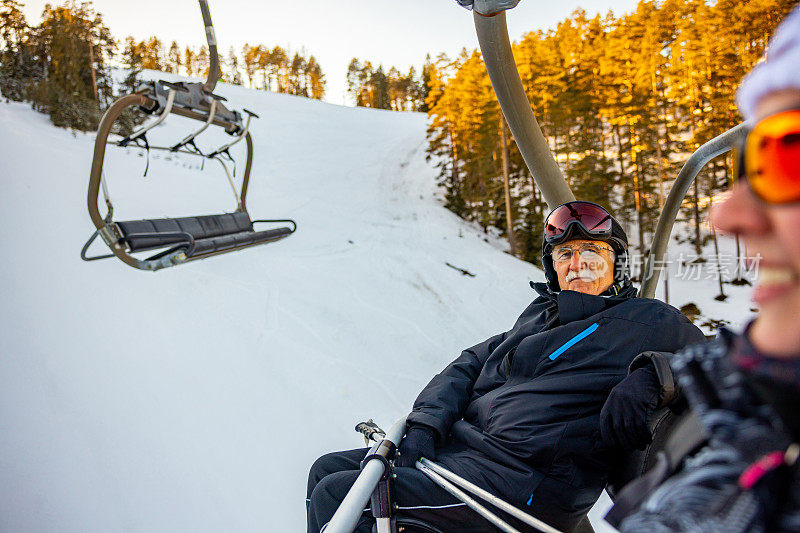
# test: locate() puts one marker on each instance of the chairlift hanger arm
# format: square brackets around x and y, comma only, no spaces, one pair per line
[192,136]
[499,59]
[238,138]
[211,38]
[713,148]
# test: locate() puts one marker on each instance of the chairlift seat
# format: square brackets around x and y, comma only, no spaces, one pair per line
[209,233]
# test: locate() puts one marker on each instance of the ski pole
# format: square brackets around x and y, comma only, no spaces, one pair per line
[489,497]
[464,497]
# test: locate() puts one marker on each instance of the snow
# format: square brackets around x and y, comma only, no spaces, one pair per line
[196,398]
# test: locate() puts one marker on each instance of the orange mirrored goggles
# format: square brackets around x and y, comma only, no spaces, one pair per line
[770,158]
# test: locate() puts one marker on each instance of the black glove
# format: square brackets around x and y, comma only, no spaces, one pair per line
[418,442]
[623,419]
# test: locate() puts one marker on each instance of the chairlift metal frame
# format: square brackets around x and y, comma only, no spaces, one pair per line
[496,48]
[195,101]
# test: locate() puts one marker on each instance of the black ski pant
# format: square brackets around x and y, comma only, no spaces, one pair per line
[332,475]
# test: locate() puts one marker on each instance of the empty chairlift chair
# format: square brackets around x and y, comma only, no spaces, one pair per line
[179,240]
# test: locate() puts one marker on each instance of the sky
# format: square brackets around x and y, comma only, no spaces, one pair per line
[398,33]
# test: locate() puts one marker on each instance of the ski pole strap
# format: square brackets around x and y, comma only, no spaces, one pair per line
[143,137]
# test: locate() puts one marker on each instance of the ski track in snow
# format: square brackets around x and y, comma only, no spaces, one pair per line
[196,398]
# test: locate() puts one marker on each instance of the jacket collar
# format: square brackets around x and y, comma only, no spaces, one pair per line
[574,305]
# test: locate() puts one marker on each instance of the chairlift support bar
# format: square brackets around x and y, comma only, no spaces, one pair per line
[703,155]
[238,138]
[499,59]
[230,180]
[353,505]
[149,126]
[191,137]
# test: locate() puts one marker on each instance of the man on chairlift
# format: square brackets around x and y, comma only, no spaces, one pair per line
[520,413]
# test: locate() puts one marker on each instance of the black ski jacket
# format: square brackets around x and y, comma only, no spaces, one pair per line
[519,413]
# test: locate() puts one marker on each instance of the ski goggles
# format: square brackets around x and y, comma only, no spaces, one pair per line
[593,219]
[769,159]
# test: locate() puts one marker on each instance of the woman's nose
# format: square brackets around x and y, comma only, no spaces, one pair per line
[740,213]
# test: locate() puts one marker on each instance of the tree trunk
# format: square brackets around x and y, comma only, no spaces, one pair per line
[509,218]
[94,76]
[698,248]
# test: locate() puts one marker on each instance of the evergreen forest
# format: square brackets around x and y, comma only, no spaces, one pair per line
[622,101]
[63,65]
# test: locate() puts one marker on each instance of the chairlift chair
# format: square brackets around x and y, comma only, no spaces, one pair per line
[184,239]
[497,53]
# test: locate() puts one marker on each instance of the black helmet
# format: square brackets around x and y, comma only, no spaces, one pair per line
[584,220]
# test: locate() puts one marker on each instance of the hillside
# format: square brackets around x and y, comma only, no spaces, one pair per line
[196,398]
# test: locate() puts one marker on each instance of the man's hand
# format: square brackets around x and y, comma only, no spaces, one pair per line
[418,442]
[488,7]
[623,419]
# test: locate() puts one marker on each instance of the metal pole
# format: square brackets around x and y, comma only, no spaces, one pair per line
[499,60]
[488,496]
[464,497]
[713,148]
[353,505]
[213,68]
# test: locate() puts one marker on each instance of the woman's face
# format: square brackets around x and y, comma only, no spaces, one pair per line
[771,232]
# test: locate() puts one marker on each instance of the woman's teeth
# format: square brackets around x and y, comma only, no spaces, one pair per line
[768,276]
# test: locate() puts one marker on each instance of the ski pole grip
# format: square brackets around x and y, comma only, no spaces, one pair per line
[370,430]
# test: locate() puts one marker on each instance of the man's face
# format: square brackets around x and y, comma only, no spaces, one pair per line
[584,266]
[770,231]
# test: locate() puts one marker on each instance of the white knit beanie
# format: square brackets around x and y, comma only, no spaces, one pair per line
[780,69]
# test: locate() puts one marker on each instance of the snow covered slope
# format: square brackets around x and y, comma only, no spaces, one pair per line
[196,398]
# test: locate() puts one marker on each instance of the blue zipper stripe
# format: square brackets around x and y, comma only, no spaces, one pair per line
[574,340]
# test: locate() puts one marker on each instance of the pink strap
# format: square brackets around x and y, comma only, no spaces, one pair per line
[760,468]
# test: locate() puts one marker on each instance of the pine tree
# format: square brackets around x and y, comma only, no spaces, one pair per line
[189,61]
[202,64]
[75,45]
[315,79]
[174,58]
[297,76]
[233,75]
[20,70]
[152,54]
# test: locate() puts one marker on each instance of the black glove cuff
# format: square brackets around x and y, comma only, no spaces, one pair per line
[659,362]
[420,428]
